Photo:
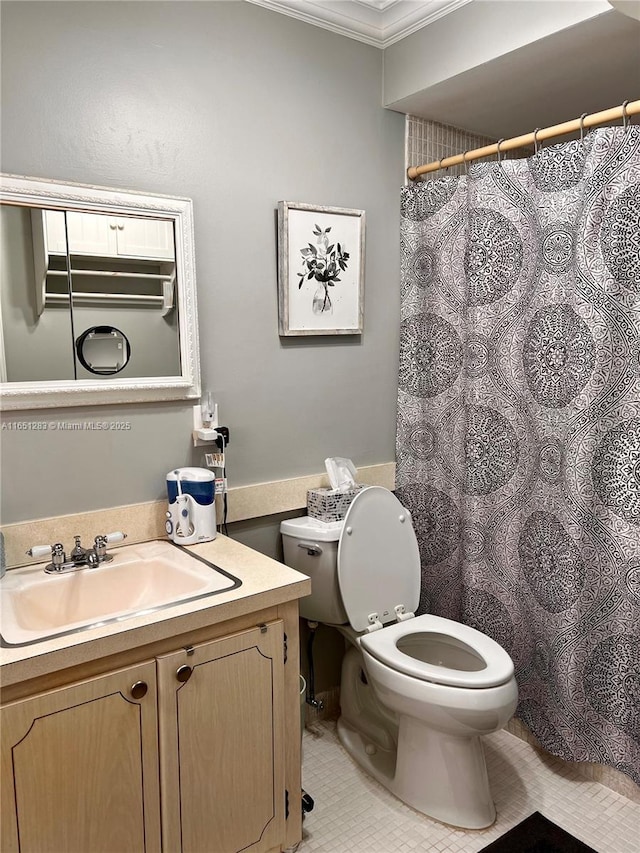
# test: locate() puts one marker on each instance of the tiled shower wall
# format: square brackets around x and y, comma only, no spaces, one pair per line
[427,141]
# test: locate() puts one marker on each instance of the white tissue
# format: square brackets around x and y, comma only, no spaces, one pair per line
[341,473]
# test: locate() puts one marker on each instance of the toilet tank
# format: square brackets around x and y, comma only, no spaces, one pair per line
[311,547]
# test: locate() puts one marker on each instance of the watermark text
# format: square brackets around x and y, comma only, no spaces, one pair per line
[65,426]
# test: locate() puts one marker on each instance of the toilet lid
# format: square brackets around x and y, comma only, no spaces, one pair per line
[442,651]
[378,558]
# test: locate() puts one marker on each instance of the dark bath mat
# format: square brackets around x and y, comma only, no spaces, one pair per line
[536,834]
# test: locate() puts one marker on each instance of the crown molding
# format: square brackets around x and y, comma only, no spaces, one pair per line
[631,8]
[376,22]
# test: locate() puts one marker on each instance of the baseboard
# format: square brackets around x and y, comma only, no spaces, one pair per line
[588,770]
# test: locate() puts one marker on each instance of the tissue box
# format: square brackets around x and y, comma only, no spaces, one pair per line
[328,505]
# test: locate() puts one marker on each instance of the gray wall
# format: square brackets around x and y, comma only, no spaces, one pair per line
[25,334]
[236,107]
[473,35]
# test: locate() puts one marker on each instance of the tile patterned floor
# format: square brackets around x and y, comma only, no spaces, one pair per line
[354,814]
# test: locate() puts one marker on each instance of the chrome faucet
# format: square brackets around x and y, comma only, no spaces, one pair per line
[79,557]
[91,558]
[78,554]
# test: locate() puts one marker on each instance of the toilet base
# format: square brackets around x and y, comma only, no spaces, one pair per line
[442,776]
[374,759]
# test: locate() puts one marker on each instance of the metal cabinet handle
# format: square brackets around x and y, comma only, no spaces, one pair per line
[139,689]
[183,673]
[312,549]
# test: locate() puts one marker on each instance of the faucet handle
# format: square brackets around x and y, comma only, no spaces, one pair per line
[100,543]
[38,551]
[57,555]
[56,552]
[116,536]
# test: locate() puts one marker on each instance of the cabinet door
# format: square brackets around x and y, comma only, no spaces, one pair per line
[80,767]
[105,236]
[145,238]
[92,234]
[222,744]
[89,233]
[54,233]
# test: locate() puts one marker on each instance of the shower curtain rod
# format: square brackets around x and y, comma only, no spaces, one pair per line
[629,108]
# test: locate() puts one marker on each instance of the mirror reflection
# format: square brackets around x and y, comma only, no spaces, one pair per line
[65,273]
[77,258]
[103,350]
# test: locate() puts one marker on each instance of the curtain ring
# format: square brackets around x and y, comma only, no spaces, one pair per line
[536,144]
[464,160]
[500,141]
[582,118]
[625,115]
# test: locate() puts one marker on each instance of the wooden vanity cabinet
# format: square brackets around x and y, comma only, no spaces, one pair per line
[80,767]
[185,753]
[222,743]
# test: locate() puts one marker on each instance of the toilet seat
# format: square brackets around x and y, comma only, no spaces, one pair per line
[383,645]
[378,559]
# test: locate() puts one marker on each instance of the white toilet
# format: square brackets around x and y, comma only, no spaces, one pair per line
[437,685]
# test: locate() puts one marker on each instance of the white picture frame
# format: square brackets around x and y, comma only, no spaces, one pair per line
[320,269]
[55,195]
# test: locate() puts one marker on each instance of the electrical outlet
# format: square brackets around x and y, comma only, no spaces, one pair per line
[223,437]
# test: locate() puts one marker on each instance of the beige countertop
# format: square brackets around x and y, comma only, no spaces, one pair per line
[265,583]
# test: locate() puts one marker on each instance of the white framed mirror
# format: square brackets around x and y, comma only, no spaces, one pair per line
[97,296]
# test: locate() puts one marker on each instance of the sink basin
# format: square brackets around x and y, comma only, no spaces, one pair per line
[141,578]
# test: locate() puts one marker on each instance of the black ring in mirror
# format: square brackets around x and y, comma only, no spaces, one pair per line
[103,350]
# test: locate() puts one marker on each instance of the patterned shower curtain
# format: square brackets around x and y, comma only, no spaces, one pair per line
[518,442]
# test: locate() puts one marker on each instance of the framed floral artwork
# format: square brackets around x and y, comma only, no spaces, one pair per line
[320,269]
